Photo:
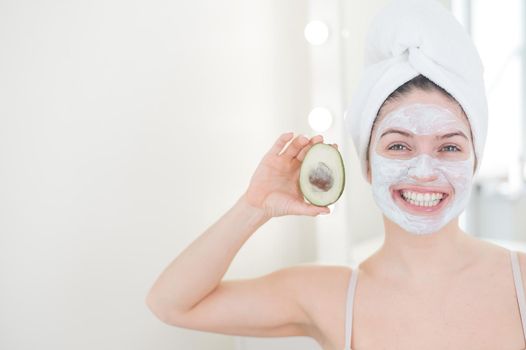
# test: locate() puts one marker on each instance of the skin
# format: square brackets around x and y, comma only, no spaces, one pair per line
[446,290]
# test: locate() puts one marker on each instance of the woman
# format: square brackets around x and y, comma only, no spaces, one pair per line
[430,285]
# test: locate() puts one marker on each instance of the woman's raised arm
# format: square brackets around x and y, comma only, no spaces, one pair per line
[189,292]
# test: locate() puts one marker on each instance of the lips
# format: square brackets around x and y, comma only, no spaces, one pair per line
[421,200]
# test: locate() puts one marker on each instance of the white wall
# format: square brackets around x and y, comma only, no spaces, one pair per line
[126,129]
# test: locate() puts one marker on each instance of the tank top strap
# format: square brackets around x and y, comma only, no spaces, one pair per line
[519,288]
[350,303]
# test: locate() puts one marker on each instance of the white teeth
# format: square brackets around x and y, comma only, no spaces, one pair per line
[422,199]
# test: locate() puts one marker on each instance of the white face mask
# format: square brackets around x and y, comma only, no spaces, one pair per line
[419,214]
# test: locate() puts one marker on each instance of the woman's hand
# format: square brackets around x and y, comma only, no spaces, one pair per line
[274,185]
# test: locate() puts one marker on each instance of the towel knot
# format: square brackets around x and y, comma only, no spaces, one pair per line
[418,59]
[408,38]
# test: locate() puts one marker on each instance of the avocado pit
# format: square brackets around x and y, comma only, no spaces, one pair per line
[321,177]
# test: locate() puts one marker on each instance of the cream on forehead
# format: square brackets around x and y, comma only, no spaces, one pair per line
[422,119]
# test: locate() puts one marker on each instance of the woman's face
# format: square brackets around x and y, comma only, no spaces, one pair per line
[421,161]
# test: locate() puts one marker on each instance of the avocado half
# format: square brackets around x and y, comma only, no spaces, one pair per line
[322,175]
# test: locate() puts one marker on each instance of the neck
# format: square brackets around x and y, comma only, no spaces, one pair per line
[424,256]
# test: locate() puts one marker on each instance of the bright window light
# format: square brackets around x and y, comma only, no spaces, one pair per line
[499,47]
[320,119]
[316,32]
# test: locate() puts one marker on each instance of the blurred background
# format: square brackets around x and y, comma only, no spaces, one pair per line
[127,128]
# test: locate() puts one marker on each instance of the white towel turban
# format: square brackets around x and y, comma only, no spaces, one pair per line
[408,38]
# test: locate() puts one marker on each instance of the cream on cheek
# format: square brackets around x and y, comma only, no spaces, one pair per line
[389,173]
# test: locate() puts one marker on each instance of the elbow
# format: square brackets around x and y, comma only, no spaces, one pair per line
[165,310]
[160,311]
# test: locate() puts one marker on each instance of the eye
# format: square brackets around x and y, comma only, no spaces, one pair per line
[451,148]
[397,147]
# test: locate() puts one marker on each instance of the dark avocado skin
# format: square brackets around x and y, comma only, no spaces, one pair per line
[343,177]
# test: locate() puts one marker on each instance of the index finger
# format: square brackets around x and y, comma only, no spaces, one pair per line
[316,139]
[280,142]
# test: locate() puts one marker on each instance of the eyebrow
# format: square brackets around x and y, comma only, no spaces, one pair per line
[456,133]
[406,134]
[394,131]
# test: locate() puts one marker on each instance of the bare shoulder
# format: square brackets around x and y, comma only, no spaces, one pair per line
[316,281]
[521,257]
[328,273]
[323,297]
[498,256]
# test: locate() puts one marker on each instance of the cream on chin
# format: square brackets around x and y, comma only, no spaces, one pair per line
[427,212]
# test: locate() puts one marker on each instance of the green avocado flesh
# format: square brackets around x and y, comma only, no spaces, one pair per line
[322,175]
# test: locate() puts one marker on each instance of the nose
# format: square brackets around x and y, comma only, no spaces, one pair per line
[423,170]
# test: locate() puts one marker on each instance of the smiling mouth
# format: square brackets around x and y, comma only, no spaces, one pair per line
[421,202]
[419,199]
